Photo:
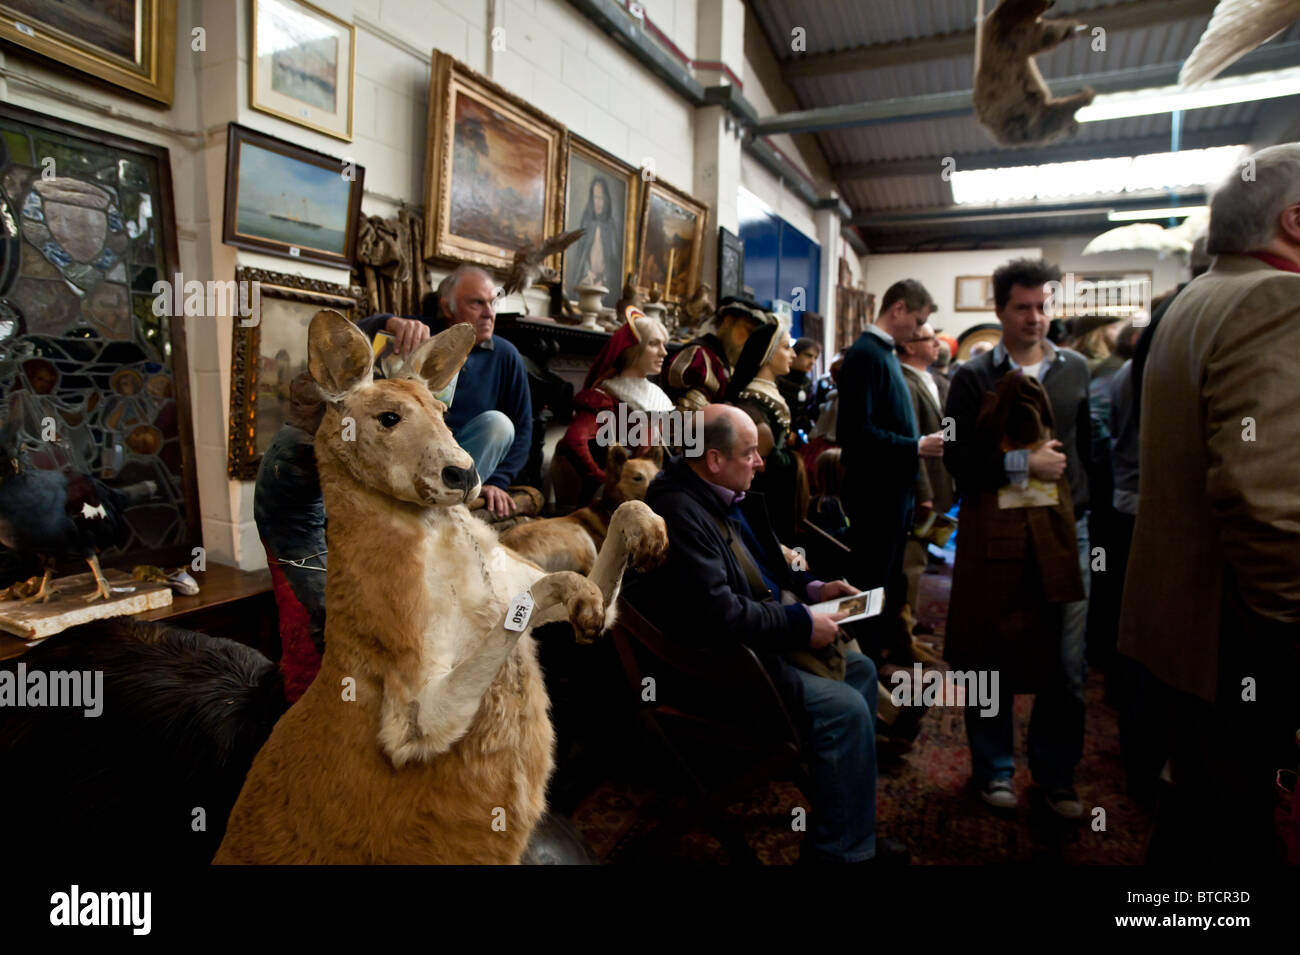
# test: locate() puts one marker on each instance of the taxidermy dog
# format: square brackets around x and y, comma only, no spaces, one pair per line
[572,542]
[425,737]
[1011,100]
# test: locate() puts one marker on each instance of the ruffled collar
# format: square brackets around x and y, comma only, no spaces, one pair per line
[640,393]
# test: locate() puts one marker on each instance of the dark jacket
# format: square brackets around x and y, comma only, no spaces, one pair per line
[492,378]
[290,514]
[1017,565]
[701,597]
[978,467]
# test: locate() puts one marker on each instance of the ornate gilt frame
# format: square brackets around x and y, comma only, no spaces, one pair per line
[687,202]
[153,77]
[448,78]
[629,174]
[242,459]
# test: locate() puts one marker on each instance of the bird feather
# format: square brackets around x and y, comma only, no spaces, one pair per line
[1236,28]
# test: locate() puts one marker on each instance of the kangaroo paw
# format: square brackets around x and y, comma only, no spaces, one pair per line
[566,595]
[644,534]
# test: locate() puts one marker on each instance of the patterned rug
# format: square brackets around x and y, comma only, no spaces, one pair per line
[924,799]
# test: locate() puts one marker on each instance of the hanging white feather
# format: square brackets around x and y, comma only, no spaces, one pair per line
[1236,28]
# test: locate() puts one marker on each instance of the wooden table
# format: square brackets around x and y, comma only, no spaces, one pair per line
[233,603]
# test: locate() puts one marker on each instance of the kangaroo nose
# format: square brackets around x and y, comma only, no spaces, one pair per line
[463,478]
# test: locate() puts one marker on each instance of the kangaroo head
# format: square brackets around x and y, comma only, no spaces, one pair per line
[628,478]
[389,435]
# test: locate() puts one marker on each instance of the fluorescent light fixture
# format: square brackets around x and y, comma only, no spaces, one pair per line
[1138,215]
[1167,99]
[1156,172]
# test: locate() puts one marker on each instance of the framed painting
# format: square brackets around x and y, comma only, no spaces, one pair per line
[301,65]
[88,349]
[268,354]
[731,264]
[601,198]
[128,43]
[494,170]
[290,201]
[671,234]
[973,293]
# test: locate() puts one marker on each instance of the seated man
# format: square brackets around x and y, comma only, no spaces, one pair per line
[490,414]
[725,575]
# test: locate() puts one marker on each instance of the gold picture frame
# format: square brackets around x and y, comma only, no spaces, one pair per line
[588,166]
[660,236]
[134,49]
[253,422]
[494,169]
[973,293]
[300,76]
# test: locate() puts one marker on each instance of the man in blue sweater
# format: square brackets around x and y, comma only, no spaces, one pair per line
[882,451]
[491,414]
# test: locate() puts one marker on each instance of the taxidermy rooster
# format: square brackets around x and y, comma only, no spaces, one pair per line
[56,515]
[528,268]
[1237,27]
[1011,100]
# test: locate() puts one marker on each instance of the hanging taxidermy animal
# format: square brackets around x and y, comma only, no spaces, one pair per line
[1237,27]
[1012,102]
[527,267]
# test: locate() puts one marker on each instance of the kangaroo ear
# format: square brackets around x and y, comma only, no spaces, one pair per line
[438,359]
[338,356]
[616,457]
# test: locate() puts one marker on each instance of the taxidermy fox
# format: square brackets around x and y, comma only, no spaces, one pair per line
[1011,100]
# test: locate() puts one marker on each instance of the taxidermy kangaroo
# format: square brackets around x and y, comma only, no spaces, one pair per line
[425,738]
[1011,100]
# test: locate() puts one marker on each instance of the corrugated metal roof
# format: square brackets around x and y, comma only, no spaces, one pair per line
[838,25]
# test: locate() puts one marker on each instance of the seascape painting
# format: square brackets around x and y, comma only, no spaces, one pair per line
[304,55]
[288,201]
[498,179]
[598,203]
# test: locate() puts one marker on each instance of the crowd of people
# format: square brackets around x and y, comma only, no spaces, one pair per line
[1148,466]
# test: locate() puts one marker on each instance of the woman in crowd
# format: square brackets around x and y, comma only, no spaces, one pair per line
[618,376]
[767,355]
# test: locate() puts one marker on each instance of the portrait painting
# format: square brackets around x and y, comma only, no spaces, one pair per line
[128,43]
[672,226]
[601,201]
[494,178]
[301,65]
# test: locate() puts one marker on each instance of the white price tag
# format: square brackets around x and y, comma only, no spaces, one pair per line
[24,29]
[521,608]
[294,250]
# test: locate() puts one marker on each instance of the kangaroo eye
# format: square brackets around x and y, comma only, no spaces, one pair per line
[389,418]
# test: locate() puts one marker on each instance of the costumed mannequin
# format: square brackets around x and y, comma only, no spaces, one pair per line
[766,356]
[618,376]
[699,373]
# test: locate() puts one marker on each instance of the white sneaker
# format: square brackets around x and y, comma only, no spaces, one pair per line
[999,793]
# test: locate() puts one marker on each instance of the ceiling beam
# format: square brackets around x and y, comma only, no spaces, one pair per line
[1241,134]
[958,102]
[949,216]
[1124,16]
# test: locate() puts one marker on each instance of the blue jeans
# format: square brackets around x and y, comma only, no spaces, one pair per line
[842,756]
[487,438]
[1057,723]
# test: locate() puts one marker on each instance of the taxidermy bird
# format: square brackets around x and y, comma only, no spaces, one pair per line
[700,305]
[527,267]
[56,515]
[630,297]
[1011,100]
[1148,236]
[1237,27]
